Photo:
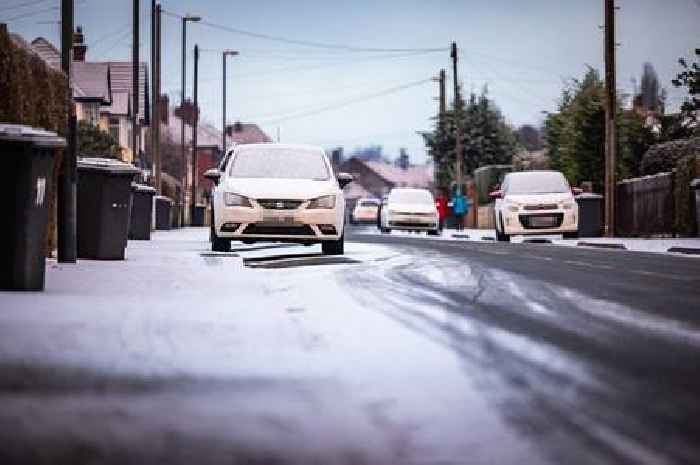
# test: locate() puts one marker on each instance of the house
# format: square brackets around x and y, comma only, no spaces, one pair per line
[376,178]
[102,92]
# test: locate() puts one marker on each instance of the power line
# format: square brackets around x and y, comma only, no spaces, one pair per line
[23,5]
[30,13]
[345,103]
[306,43]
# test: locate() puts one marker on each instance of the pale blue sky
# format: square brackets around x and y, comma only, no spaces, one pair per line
[522,49]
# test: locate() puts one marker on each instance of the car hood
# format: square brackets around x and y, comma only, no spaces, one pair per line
[412,207]
[297,189]
[539,198]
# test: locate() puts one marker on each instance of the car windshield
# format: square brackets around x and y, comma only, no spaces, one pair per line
[279,163]
[369,203]
[411,196]
[541,182]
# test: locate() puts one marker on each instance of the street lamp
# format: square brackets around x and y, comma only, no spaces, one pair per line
[185,19]
[224,54]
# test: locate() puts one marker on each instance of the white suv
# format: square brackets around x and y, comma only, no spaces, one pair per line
[535,202]
[280,193]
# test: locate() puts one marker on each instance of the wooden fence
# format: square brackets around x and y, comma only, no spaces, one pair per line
[645,206]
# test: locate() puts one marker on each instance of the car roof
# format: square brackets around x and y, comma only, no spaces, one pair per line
[522,173]
[278,145]
[417,189]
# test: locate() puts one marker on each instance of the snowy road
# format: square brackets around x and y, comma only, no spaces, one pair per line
[404,351]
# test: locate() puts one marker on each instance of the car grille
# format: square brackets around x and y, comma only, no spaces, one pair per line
[541,221]
[304,230]
[415,214]
[279,204]
[541,206]
[410,224]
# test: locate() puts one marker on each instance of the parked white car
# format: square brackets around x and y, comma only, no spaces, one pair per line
[365,211]
[409,209]
[279,193]
[535,202]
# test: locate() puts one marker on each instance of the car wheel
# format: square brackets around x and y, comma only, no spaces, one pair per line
[502,236]
[334,247]
[219,244]
[571,235]
[434,232]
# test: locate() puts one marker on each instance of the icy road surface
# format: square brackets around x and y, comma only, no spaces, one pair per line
[400,352]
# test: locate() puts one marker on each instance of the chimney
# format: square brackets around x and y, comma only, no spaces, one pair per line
[79,47]
[164,109]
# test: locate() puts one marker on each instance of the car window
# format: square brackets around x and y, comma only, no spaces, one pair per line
[536,182]
[279,163]
[411,196]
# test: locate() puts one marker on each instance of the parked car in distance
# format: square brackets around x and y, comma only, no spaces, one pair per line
[409,209]
[278,193]
[365,211]
[535,202]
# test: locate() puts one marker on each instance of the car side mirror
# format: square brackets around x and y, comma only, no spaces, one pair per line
[496,194]
[344,179]
[576,191]
[213,174]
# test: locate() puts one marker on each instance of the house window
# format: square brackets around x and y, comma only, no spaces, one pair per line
[92,114]
[114,128]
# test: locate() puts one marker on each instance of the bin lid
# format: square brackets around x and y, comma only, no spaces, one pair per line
[24,133]
[588,196]
[695,183]
[164,198]
[143,188]
[107,166]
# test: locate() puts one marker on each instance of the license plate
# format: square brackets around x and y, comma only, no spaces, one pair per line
[542,221]
[278,219]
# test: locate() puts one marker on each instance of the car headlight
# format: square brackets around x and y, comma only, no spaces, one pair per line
[512,207]
[235,200]
[327,201]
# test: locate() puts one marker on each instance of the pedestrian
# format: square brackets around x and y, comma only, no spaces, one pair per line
[441,204]
[459,207]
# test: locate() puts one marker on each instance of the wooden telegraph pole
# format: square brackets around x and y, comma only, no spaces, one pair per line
[135,82]
[610,118]
[195,117]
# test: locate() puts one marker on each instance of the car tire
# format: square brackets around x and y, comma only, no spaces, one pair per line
[434,232]
[334,247]
[501,236]
[219,244]
[571,235]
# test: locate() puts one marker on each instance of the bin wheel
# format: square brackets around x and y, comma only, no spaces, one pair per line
[218,244]
[571,235]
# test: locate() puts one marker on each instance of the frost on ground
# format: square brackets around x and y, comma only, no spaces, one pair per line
[180,355]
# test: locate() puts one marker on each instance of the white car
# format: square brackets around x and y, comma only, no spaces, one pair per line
[409,209]
[279,193]
[365,211]
[535,202]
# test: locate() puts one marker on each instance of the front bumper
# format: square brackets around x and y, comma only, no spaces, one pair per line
[412,222]
[302,225]
[541,222]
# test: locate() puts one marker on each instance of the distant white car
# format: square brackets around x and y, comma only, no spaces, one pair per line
[535,202]
[280,193]
[365,211]
[409,209]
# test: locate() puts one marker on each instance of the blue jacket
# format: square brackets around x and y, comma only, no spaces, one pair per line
[459,205]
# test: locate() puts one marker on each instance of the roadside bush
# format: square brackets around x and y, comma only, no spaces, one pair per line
[662,158]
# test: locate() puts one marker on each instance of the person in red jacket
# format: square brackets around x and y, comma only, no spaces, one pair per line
[441,204]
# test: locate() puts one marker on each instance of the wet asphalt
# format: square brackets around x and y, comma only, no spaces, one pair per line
[434,352]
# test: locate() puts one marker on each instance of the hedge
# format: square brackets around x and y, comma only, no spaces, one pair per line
[662,158]
[687,169]
[33,93]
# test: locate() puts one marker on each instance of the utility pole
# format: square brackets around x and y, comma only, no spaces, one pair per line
[443,103]
[156,91]
[154,98]
[458,123]
[224,54]
[183,114]
[441,122]
[66,214]
[135,82]
[610,117]
[193,195]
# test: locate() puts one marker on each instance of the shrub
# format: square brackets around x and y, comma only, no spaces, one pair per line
[664,157]
[684,220]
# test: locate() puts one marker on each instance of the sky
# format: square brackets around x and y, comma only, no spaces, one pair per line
[332,94]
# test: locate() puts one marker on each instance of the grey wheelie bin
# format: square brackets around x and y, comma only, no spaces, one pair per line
[25,184]
[141,212]
[163,206]
[590,212]
[104,207]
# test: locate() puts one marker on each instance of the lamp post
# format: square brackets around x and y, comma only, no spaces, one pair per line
[185,19]
[223,100]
